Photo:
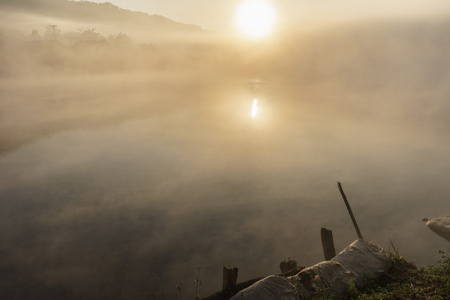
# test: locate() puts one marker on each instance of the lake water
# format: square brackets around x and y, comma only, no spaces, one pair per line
[110,182]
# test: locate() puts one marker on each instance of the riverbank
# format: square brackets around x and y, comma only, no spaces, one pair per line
[404,280]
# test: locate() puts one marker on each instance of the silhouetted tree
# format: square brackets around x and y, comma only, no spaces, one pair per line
[35,35]
[90,35]
[121,40]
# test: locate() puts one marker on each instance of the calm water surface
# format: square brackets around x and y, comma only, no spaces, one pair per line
[110,182]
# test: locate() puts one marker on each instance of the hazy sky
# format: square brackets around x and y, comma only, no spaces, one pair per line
[218,14]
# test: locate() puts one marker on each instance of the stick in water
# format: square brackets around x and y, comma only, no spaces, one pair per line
[350,211]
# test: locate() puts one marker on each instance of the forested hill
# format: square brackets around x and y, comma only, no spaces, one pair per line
[85,11]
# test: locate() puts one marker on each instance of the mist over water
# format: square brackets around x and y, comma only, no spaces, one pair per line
[111,179]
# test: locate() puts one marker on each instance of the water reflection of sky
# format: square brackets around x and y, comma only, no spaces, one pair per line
[180,180]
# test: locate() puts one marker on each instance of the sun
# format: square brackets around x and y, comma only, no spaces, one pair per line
[255,18]
[254,111]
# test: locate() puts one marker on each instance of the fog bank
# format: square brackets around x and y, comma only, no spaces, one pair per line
[126,162]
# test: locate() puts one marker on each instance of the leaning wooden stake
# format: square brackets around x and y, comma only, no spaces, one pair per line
[350,211]
[327,243]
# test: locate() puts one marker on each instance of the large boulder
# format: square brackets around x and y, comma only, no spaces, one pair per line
[357,262]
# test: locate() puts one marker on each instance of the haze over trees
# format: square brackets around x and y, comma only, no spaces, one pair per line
[70,37]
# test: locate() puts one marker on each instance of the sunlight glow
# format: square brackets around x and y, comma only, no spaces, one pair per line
[255,18]
[254,108]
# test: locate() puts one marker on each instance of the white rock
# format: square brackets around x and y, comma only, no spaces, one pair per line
[357,262]
[441,226]
[269,288]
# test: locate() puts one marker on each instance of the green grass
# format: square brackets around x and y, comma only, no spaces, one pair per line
[407,281]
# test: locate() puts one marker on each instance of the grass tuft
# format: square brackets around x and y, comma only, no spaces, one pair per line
[407,281]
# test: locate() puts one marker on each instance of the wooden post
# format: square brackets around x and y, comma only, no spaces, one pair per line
[229,277]
[350,211]
[327,243]
[288,265]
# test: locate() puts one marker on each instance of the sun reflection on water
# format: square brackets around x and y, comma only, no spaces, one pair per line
[254,111]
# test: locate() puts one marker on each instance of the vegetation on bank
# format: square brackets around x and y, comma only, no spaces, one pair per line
[405,280]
